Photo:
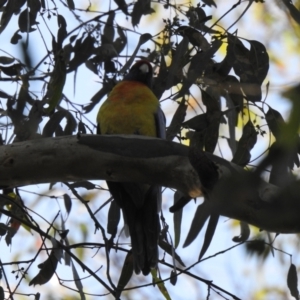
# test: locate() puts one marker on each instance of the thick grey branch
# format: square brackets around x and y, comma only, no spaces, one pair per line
[237,193]
[114,158]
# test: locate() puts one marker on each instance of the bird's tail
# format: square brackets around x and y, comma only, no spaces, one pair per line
[141,217]
[143,226]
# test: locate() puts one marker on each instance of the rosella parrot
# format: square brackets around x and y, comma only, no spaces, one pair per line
[132,108]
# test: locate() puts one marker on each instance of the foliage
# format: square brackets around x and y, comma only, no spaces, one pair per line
[199,66]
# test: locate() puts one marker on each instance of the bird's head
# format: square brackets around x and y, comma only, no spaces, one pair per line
[141,71]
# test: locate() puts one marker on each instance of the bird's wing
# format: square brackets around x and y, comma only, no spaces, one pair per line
[160,123]
[98,128]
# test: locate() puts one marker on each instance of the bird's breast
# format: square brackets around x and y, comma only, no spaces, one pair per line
[129,109]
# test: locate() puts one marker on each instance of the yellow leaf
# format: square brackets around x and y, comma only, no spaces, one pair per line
[160,284]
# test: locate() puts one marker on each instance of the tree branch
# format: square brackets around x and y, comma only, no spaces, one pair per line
[237,194]
[95,157]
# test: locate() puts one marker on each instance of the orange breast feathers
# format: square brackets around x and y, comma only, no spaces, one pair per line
[129,109]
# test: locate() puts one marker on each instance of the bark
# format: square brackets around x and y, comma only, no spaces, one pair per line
[113,158]
[237,194]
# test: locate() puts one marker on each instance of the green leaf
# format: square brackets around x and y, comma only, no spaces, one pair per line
[47,270]
[259,60]
[176,123]
[120,43]
[275,122]
[160,284]
[3,229]
[13,70]
[295,13]
[16,37]
[210,3]
[53,123]
[5,60]
[250,65]
[247,141]
[170,250]
[114,214]
[71,124]
[67,202]
[62,31]
[13,6]
[176,64]
[1,293]
[201,215]
[201,63]
[126,273]
[177,218]
[83,49]
[292,281]
[78,282]
[106,88]
[173,277]
[109,30]
[210,230]
[233,87]
[71,4]
[198,123]
[122,5]
[56,84]
[141,7]
[213,117]
[26,21]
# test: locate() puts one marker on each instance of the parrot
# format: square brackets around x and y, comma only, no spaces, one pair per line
[132,108]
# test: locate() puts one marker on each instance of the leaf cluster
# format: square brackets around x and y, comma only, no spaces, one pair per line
[189,53]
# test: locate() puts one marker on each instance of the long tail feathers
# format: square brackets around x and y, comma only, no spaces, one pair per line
[141,216]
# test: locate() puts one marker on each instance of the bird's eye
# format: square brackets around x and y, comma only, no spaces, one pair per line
[144,68]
